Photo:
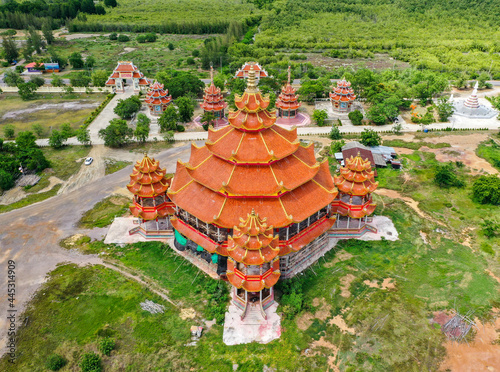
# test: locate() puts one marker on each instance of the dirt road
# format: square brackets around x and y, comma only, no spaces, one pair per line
[30,236]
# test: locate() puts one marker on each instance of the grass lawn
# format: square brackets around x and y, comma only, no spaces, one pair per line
[113,165]
[67,160]
[490,151]
[47,111]
[105,211]
[30,199]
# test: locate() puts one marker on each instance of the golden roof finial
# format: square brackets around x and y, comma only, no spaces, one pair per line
[251,81]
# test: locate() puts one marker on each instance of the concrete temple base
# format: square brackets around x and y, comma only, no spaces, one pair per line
[253,328]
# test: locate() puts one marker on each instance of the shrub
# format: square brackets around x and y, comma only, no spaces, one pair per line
[123,38]
[171,46]
[446,177]
[320,116]
[486,190]
[335,133]
[356,117]
[106,345]
[196,53]
[180,128]
[370,138]
[55,362]
[190,61]
[113,36]
[90,362]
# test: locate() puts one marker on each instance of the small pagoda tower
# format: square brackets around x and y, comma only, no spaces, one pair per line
[342,96]
[354,203]
[123,71]
[149,184]
[287,102]
[253,261]
[157,99]
[243,72]
[213,101]
[472,101]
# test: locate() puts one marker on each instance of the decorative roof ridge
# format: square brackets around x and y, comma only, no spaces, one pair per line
[191,167]
[270,152]
[323,187]
[316,165]
[211,129]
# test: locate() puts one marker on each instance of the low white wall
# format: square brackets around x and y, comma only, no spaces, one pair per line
[44,89]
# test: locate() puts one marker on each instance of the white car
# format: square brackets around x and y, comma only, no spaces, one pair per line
[89,161]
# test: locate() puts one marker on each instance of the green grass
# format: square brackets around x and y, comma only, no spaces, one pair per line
[414,145]
[103,213]
[113,165]
[66,161]
[490,151]
[151,12]
[30,199]
[48,117]
[80,305]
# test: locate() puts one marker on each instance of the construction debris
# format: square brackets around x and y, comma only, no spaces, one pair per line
[152,308]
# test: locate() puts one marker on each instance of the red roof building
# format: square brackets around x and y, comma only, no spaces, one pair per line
[157,99]
[343,96]
[287,102]
[213,101]
[255,197]
[127,70]
[353,204]
[243,72]
[149,184]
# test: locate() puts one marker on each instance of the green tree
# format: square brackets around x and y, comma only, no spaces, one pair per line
[168,136]
[113,36]
[462,81]
[169,119]
[12,78]
[55,362]
[99,78]
[336,146]
[142,129]
[207,119]
[80,79]
[27,90]
[9,131]
[38,129]
[26,140]
[219,80]
[56,81]
[67,131]
[444,109]
[35,40]
[57,139]
[127,107]
[10,50]
[483,77]
[171,46]
[47,33]
[106,345]
[6,180]
[356,117]
[370,138]
[90,362]
[116,134]
[89,62]
[486,190]
[186,108]
[319,116]
[83,135]
[446,177]
[37,80]
[76,60]
[180,83]
[335,133]
[123,38]
[110,3]
[88,6]
[490,228]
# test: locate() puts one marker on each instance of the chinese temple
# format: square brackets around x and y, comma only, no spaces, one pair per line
[244,71]
[151,205]
[127,70]
[157,99]
[342,96]
[213,101]
[287,102]
[354,204]
[256,198]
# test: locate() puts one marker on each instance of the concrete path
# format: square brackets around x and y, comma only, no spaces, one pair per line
[30,236]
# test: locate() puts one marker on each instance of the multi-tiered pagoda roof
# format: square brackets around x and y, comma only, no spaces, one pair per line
[212,99]
[342,96]
[355,183]
[288,99]
[157,98]
[149,184]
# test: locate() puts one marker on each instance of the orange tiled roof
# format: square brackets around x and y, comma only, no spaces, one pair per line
[253,242]
[157,95]
[356,177]
[148,179]
[288,100]
[343,92]
[252,165]
[253,283]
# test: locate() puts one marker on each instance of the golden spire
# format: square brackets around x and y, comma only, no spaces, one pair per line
[289,73]
[211,74]
[251,81]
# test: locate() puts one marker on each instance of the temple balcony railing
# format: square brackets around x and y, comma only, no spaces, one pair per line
[352,207]
[214,232]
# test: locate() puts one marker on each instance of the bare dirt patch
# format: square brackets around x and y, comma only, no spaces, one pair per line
[490,273]
[340,256]
[305,321]
[468,157]
[188,313]
[339,321]
[324,311]
[387,283]
[345,283]
[332,352]
[482,354]
[413,204]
